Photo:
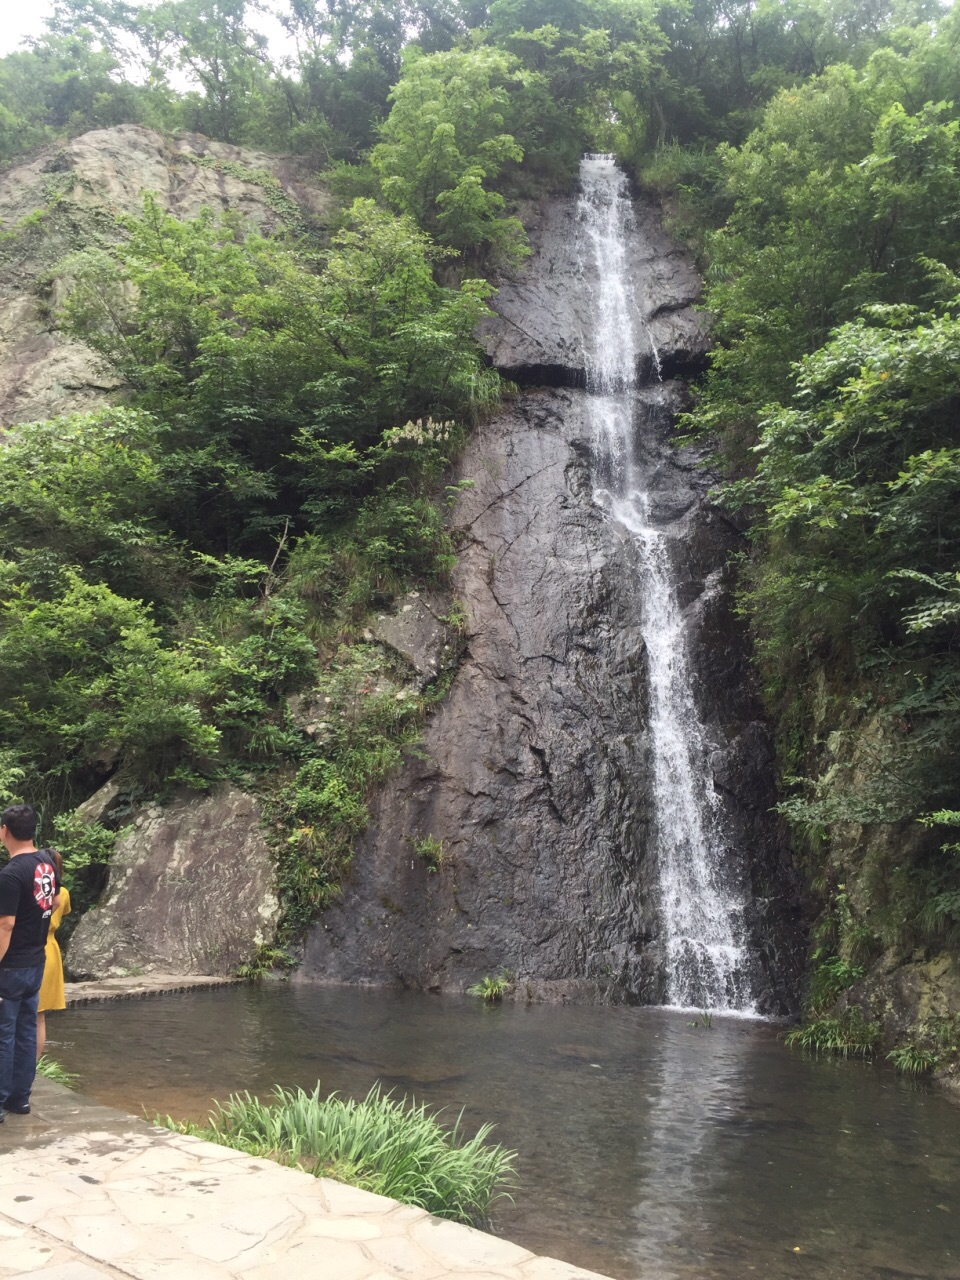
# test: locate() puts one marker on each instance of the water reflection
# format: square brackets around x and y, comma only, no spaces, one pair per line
[706,1071]
[649,1149]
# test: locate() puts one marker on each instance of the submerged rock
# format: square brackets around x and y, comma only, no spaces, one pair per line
[192,890]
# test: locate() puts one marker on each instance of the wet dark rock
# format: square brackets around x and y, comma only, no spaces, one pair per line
[534,773]
[543,328]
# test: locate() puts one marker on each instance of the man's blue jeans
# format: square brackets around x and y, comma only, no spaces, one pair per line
[19,996]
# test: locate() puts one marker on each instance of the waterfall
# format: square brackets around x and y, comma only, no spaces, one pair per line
[701,903]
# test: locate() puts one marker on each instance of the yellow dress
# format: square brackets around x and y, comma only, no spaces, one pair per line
[51,989]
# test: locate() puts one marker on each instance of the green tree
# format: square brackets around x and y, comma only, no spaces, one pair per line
[219,48]
[281,375]
[85,670]
[212,42]
[855,593]
[724,61]
[64,84]
[348,57]
[92,489]
[593,64]
[446,142]
[833,199]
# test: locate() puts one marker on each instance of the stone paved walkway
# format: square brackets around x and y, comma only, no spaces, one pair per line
[88,1193]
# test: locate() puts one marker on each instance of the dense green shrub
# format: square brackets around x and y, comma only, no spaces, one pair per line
[286,378]
[174,566]
[95,490]
[853,480]
[85,670]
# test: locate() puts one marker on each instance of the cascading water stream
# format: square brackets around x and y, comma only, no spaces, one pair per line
[701,909]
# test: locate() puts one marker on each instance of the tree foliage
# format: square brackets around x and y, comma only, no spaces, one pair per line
[833,394]
[172,566]
[282,373]
[446,140]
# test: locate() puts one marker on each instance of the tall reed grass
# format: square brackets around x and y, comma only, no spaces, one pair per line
[393,1147]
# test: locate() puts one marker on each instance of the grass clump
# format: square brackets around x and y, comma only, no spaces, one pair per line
[493,987]
[433,852]
[936,1046]
[849,1036]
[266,960]
[911,1060]
[54,1071]
[391,1147]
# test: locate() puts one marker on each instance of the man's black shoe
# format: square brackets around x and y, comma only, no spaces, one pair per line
[17,1108]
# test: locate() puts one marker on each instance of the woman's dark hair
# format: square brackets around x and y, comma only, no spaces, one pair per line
[20,820]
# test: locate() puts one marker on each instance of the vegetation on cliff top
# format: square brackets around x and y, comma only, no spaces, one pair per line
[173,570]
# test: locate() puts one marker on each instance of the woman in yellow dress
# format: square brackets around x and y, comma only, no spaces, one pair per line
[51,989]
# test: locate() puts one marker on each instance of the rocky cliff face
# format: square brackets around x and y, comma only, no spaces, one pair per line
[69,198]
[531,793]
[192,888]
[533,781]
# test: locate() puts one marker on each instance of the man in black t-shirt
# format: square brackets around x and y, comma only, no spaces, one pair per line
[29,889]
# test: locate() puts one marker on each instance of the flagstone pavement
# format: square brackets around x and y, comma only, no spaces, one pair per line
[88,1193]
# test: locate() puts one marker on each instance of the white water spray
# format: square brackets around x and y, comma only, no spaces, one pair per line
[701,909]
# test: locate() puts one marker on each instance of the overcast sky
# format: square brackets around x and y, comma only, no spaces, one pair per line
[19,18]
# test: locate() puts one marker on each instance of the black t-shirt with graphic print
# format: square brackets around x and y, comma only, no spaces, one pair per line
[28,885]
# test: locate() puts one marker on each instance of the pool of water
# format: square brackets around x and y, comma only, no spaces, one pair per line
[649,1148]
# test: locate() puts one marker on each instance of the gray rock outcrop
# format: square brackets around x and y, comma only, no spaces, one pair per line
[69,198]
[533,779]
[417,631]
[191,891]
